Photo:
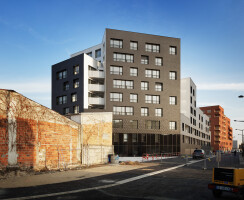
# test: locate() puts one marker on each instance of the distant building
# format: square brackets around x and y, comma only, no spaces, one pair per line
[235,144]
[221,131]
[194,123]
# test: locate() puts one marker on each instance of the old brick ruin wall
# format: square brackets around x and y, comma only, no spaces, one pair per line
[32,135]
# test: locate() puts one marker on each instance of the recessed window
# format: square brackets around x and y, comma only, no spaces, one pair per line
[144,85]
[62,74]
[66,111]
[74,97]
[76,109]
[133,124]
[133,98]
[66,86]
[116,96]
[123,84]
[151,73]
[133,45]
[158,87]
[172,50]
[89,54]
[144,60]
[125,137]
[172,76]
[76,83]
[152,48]
[116,43]
[117,70]
[152,124]
[159,61]
[117,123]
[158,112]
[123,110]
[144,112]
[76,69]
[98,53]
[172,125]
[61,100]
[172,101]
[133,71]
[154,99]
[123,57]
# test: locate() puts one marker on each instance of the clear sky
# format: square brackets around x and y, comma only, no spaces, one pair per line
[34,34]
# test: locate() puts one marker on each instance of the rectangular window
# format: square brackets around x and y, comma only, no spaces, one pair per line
[62,74]
[61,100]
[144,85]
[116,70]
[172,50]
[66,86]
[66,111]
[172,76]
[133,124]
[74,97]
[151,73]
[158,112]
[172,100]
[152,124]
[123,57]
[89,54]
[159,61]
[133,45]
[183,127]
[158,87]
[152,48]
[76,69]
[116,97]
[98,53]
[144,60]
[172,125]
[76,83]
[133,71]
[115,43]
[117,123]
[144,112]
[133,98]
[76,109]
[123,110]
[154,99]
[125,137]
[123,84]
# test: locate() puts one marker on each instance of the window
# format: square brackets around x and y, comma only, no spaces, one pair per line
[144,85]
[151,73]
[152,124]
[144,60]
[61,100]
[144,112]
[62,74]
[123,110]
[193,92]
[172,50]
[123,84]
[115,43]
[66,86]
[116,97]
[98,53]
[66,111]
[152,48]
[172,76]
[133,45]
[208,111]
[172,101]
[183,127]
[133,98]
[117,123]
[158,87]
[123,57]
[76,69]
[158,112]
[125,137]
[74,97]
[89,54]
[133,124]
[76,83]
[116,70]
[155,99]
[159,61]
[172,125]
[76,109]
[133,71]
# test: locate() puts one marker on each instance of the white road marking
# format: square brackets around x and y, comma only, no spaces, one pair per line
[104,186]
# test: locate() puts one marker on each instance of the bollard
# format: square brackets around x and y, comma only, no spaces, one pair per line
[204,165]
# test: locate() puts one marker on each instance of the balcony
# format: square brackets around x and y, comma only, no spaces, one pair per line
[96,74]
[96,87]
[96,100]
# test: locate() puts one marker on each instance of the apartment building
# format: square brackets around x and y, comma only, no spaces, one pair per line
[221,131]
[194,123]
[137,77]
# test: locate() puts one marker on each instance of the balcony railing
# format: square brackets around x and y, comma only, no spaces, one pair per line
[96,74]
[96,100]
[96,87]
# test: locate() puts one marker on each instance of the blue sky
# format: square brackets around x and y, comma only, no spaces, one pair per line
[36,34]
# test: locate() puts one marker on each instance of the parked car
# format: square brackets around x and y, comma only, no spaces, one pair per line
[198,153]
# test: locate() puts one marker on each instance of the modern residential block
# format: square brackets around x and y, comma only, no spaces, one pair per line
[221,131]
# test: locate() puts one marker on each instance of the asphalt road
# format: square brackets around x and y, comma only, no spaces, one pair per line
[170,179]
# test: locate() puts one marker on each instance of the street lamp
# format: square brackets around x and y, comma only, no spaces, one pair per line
[238,121]
[241,134]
